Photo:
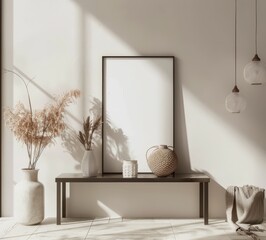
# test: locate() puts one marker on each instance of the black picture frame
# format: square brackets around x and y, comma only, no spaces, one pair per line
[104,58]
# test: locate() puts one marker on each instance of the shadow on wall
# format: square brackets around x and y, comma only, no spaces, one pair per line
[158,200]
[136,23]
[69,137]
[42,90]
[74,148]
[71,143]
[116,139]
[116,148]
[134,32]
[181,138]
[133,22]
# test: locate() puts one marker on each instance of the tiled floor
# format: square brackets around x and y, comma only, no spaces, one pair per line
[116,229]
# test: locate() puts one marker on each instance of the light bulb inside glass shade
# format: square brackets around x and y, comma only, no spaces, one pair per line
[255,73]
[234,103]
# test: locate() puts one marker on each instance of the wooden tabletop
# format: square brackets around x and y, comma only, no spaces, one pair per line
[145,177]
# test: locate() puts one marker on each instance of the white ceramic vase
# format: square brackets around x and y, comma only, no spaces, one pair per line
[89,165]
[29,199]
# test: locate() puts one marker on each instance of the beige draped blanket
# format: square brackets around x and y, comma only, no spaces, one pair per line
[245,209]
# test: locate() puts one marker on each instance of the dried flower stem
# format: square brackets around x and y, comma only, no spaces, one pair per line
[26,86]
[89,127]
[38,129]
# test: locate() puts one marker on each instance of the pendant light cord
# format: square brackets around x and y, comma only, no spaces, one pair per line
[256,26]
[236,38]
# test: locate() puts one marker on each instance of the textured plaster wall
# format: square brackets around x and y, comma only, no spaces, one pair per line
[59,45]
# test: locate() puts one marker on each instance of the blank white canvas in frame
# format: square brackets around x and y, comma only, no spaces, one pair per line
[138,109]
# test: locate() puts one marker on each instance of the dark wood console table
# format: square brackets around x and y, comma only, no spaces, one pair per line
[62,179]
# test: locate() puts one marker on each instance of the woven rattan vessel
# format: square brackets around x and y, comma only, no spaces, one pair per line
[161,160]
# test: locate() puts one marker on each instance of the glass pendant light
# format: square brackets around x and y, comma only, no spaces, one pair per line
[255,71]
[234,103]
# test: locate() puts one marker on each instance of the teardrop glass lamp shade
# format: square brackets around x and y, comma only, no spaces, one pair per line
[234,103]
[255,72]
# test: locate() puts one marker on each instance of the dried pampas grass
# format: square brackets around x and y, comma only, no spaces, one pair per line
[37,129]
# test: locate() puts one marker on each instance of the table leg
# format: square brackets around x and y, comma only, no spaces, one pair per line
[63,199]
[58,203]
[201,199]
[206,203]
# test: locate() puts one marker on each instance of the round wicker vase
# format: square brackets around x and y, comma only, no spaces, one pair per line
[162,160]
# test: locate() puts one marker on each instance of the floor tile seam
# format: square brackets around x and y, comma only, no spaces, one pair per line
[34,232]
[48,236]
[9,229]
[124,231]
[26,234]
[29,237]
[60,230]
[173,230]
[126,234]
[98,220]
[88,230]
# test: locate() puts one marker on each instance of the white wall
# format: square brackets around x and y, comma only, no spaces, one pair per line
[60,44]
